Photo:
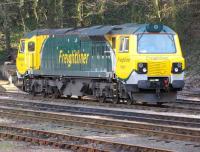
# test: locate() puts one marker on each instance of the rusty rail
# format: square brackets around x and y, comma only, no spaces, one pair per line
[64,141]
[164,108]
[165,132]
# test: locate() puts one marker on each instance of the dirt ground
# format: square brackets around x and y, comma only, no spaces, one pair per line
[7,87]
[94,133]
[14,146]
[192,82]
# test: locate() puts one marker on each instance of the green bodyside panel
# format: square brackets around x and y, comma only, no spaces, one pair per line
[70,56]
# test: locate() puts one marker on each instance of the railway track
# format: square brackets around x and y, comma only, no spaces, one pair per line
[180,106]
[163,127]
[64,141]
[136,115]
[193,92]
[162,131]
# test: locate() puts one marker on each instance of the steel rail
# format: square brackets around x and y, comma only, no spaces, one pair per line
[163,108]
[165,132]
[136,116]
[64,141]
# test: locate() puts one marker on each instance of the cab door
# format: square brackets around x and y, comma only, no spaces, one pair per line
[123,55]
[31,55]
[21,58]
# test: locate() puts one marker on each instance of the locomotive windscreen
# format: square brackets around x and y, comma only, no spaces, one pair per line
[156,43]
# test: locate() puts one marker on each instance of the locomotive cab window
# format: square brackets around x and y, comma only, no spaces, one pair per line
[114,42]
[156,44]
[124,44]
[22,47]
[31,46]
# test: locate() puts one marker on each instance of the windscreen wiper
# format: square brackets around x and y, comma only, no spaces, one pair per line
[171,38]
[141,35]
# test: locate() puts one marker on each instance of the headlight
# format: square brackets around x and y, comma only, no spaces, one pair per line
[177,68]
[142,68]
[154,27]
[140,65]
[179,65]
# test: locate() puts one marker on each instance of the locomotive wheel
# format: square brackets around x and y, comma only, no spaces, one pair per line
[159,103]
[68,96]
[144,103]
[56,93]
[33,92]
[23,88]
[102,99]
[129,101]
[44,94]
[79,97]
[116,100]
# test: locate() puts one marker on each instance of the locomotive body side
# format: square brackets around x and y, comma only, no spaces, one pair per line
[70,56]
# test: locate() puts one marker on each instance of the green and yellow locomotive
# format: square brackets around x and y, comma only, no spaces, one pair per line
[129,62]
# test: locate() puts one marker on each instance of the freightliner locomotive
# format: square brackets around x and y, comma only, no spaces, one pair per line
[128,62]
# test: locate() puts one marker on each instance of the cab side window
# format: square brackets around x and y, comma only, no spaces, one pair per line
[22,47]
[31,46]
[124,44]
[114,42]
